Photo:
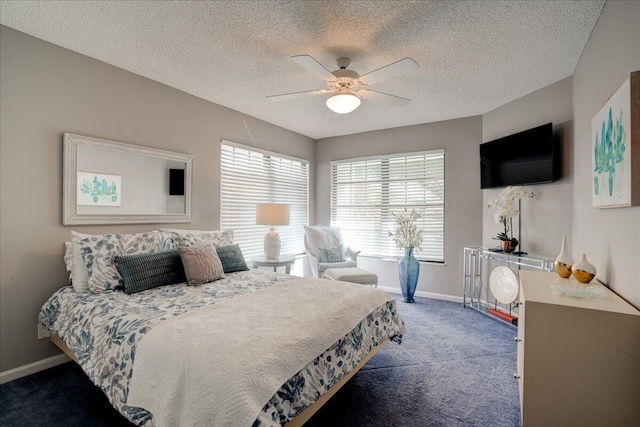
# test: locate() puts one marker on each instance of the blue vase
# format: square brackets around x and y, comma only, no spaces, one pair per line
[409,270]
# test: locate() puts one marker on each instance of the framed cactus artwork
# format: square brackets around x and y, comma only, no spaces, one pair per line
[99,189]
[615,138]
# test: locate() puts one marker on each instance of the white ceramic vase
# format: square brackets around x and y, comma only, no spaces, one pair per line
[564,262]
[583,270]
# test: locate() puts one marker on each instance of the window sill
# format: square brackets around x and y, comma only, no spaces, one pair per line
[383,258]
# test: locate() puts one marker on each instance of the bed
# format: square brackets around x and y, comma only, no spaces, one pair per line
[102,331]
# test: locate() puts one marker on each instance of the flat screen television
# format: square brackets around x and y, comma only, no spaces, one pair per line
[523,158]
[176,182]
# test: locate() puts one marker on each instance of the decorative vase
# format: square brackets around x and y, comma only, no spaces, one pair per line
[563,262]
[583,270]
[409,270]
[506,246]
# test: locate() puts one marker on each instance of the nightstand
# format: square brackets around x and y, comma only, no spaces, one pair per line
[283,260]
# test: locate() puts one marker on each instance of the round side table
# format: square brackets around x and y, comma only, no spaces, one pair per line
[283,260]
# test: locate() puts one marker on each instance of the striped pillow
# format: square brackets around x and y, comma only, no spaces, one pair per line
[201,264]
[147,271]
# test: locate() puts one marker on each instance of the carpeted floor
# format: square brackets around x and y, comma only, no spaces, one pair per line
[455,368]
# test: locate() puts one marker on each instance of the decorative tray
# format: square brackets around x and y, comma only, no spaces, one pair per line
[577,290]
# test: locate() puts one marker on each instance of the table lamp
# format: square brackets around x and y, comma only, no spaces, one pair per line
[272,214]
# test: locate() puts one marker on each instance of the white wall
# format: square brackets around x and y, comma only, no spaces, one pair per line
[609,237]
[463,223]
[547,217]
[46,91]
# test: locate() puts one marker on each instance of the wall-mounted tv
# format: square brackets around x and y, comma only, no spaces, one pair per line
[523,158]
[176,182]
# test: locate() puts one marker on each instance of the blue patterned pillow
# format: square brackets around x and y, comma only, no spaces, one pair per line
[232,259]
[147,271]
[333,254]
[100,251]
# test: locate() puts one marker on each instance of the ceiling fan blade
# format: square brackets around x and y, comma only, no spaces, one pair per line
[298,94]
[314,67]
[389,71]
[372,95]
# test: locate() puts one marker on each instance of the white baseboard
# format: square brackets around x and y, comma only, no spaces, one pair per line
[424,294]
[32,368]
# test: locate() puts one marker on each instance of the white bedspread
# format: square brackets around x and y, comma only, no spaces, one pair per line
[219,365]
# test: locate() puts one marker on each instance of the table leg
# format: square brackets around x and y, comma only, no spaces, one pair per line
[288,269]
[275,268]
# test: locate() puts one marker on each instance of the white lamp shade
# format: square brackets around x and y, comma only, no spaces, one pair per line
[272,214]
[343,103]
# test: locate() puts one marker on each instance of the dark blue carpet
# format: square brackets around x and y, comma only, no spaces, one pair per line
[455,368]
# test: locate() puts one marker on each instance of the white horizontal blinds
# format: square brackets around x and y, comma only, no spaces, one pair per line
[365,193]
[249,177]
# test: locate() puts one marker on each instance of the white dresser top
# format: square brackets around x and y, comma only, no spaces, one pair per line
[535,286]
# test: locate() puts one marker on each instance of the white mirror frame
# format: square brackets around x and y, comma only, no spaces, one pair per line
[70,214]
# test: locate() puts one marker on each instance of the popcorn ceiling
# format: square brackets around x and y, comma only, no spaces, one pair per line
[474,55]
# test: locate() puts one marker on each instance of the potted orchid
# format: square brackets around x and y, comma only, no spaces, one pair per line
[408,236]
[507,206]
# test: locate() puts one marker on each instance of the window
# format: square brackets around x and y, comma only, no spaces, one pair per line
[249,176]
[366,192]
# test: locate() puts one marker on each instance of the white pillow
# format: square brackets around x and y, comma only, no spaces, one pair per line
[68,256]
[79,273]
[321,236]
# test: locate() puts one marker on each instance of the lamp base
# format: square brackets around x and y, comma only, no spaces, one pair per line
[272,244]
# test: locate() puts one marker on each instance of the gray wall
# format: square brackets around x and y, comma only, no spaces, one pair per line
[47,90]
[463,224]
[547,217]
[609,237]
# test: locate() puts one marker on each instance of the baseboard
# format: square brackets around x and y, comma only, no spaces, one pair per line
[32,368]
[425,294]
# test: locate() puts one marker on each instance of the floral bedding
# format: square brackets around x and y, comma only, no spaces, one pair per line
[103,330]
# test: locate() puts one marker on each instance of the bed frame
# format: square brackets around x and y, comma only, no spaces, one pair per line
[304,416]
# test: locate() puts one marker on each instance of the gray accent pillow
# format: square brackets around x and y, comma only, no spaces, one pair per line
[147,271]
[333,254]
[201,264]
[232,258]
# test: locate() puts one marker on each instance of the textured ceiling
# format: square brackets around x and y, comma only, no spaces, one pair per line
[474,55]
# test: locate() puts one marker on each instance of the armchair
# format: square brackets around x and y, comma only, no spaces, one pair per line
[318,236]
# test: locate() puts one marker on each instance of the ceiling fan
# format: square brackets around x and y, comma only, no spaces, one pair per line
[348,86]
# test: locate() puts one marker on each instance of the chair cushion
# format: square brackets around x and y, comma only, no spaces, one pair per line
[352,275]
[344,264]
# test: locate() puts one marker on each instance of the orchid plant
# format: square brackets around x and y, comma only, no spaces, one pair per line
[407,234]
[507,207]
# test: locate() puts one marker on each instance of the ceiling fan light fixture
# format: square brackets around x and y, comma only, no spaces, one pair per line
[343,103]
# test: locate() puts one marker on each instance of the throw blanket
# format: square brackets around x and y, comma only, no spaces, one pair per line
[219,365]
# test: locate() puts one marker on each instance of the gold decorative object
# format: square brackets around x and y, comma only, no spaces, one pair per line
[583,270]
[506,246]
[563,262]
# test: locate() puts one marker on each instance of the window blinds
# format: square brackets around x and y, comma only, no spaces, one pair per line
[252,176]
[366,192]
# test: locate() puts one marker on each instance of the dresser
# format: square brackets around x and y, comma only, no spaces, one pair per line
[578,359]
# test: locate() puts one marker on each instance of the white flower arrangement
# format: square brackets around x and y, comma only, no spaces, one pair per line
[407,233]
[507,207]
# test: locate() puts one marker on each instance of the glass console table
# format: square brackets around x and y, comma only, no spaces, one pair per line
[478,263]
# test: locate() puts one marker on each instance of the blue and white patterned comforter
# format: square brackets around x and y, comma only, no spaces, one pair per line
[103,330]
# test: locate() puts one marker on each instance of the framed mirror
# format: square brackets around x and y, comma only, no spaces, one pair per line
[108,182]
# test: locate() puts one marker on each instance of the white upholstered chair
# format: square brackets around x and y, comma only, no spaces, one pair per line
[318,236]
